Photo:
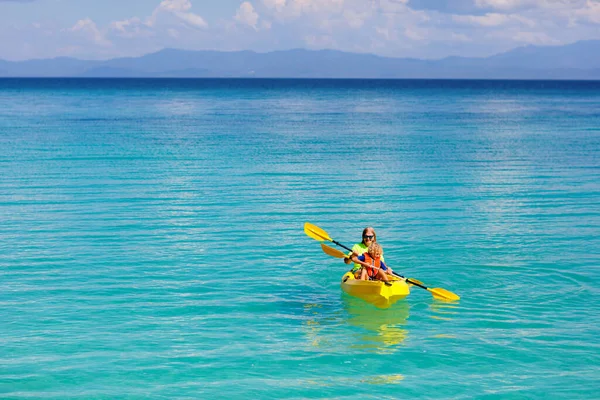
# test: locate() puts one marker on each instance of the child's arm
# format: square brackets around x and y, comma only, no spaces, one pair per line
[357,259]
[348,258]
[386,268]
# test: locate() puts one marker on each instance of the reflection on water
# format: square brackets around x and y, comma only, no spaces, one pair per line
[383,379]
[354,324]
[362,325]
[444,336]
[380,329]
[442,310]
[392,379]
[313,325]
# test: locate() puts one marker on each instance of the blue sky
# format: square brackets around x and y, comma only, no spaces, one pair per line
[92,29]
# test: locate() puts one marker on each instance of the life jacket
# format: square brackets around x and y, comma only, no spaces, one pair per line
[375,262]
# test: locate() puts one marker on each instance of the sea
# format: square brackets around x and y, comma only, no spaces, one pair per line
[152,242]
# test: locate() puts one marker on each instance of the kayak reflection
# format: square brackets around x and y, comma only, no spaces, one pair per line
[381,330]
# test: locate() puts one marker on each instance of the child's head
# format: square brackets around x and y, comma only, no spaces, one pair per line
[375,250]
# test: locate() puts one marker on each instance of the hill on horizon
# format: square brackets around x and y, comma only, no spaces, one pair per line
[579,60]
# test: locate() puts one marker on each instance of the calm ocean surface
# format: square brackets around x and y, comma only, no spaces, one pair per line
[152,244]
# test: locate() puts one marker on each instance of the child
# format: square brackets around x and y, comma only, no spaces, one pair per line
[372,265]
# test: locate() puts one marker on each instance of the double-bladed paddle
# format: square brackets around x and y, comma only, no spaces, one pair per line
[319,234]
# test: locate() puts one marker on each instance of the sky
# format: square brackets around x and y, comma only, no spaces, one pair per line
[426,29]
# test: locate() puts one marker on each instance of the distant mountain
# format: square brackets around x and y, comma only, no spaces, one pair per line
[579,55]
[580,60]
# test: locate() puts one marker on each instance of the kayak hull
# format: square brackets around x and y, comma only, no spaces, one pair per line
[375,292]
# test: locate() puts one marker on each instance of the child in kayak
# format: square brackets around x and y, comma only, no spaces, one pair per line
[373,266]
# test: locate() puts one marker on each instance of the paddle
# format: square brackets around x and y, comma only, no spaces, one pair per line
[319,234]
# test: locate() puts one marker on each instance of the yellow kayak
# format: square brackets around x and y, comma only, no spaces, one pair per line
[375,292]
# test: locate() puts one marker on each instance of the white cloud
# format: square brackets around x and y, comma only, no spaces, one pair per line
[590,12]
[318,6]
[132,27]
[278,5]
[355,19]
[487,20]
[295,8]
[247,15]
[175,5]
[191,19]
[506,5]
[414,34]
[179,9]
[89,29]
[138,27]
[523,5]
[392,6]
[459,37]
[383,31]
[122,26]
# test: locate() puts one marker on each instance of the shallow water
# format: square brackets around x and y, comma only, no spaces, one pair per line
[151,243]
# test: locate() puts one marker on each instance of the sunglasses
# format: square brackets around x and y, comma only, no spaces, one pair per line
[370,237]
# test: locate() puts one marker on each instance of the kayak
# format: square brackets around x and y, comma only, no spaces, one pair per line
[375,292]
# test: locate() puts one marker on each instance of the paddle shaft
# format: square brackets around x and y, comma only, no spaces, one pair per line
[341,245]
[411,281]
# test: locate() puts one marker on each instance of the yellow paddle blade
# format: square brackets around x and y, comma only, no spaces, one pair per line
[443,294]
[316,233]
[332,252]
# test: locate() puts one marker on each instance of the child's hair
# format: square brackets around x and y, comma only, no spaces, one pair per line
[375,248]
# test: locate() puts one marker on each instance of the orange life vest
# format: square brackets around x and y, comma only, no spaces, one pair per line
[375,262]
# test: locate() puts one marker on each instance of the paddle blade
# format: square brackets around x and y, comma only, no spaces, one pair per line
[332,252]
[443,294]
[316,233]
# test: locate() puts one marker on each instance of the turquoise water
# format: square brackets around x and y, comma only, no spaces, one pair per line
[151,243]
